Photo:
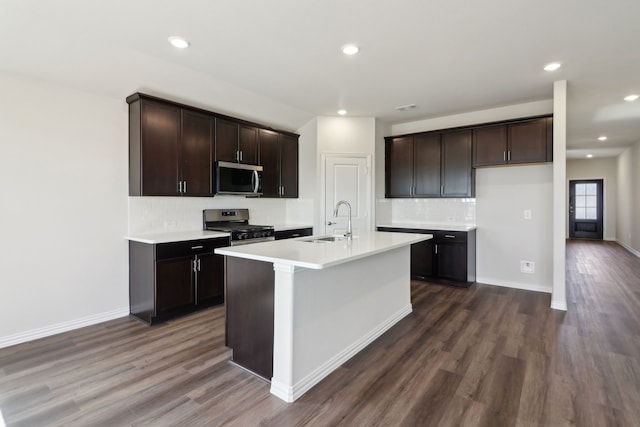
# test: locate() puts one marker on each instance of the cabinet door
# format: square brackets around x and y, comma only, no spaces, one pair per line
[490,145]
[399,167]
[174,284]
[422,259]
[210,279]
[457,171]
[452,261]
[270,161]
[248,145]
[427,165]
[289,165]
[160,149]
[528,141]
[196,153]
[226,140]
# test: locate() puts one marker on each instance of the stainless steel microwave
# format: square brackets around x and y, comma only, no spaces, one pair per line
[236,178]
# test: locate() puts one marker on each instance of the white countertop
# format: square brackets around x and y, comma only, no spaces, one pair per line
[286,227]
[442,226]
[176,236]
[299,253]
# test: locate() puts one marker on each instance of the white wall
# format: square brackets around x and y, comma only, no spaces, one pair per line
[598,168]
[504,237]
[63,165]
[628,218]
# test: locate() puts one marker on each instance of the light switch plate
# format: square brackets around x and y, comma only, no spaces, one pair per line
[527,214]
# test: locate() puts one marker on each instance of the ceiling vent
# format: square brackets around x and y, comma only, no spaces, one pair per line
[406,107]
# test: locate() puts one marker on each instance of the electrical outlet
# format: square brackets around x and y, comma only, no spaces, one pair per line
[527,267]
[527,214]
[170,223]
[450,218]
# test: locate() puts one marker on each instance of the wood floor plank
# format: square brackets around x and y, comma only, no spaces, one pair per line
[482,356]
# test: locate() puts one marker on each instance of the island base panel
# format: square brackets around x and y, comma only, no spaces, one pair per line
[249,291]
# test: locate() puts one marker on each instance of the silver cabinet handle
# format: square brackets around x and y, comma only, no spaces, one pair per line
[195,268]
[241,159]
[436,249]
[509,155]
[449,236]
[179,186]
[295,235]
[197,247]
[184,186]
[198,264]
[504,156]
[331,223]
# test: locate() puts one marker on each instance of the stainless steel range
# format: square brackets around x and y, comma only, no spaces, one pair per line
[236,222]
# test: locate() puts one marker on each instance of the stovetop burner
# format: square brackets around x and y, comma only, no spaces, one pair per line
[236,222]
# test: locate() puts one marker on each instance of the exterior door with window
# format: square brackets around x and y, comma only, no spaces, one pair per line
[586,210]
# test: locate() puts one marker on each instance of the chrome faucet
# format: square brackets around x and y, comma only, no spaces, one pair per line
[349,232]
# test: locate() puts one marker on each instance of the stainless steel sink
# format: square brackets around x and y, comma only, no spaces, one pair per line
[325,239]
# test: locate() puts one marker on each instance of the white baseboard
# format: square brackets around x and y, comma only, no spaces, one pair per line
[559,305]
[523,286]
[47,331]
[629,248]
[290,394]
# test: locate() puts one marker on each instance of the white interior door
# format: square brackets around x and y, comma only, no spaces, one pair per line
[347,177]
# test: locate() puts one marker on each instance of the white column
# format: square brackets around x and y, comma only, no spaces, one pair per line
[559,295]
[282,380]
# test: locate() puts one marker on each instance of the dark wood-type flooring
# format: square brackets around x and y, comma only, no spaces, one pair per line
[484,356]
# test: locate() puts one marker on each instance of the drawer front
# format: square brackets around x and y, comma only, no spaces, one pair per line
[189,248]
[290,234]
[450,236]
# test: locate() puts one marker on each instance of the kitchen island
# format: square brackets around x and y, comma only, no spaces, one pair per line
[297,309]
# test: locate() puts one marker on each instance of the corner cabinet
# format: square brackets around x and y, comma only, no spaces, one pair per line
[430,164]
[170,149]
[279,159]
[168,279]
[450,257]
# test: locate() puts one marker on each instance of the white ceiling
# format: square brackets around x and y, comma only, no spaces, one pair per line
[279,61]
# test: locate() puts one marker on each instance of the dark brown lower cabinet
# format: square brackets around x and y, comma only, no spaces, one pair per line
[249,292]
[168,279]
[291,234]
[450,257]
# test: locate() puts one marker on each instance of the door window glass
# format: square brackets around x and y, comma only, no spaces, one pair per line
[586,201]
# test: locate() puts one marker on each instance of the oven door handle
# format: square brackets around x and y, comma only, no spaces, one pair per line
[255,180]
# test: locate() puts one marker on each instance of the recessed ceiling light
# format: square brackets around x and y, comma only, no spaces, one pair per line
[602,138]
[589,156]
[179,42]
[631,97]
[350,49]
[552,66]
[342,112]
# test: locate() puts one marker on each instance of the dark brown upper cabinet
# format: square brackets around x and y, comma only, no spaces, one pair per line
[169,150]
[457,169]
[431,164]
[519,142]
[236,142]
[173,149]
[279,159]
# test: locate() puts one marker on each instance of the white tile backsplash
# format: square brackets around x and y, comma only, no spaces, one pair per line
[455,211]
[149,215]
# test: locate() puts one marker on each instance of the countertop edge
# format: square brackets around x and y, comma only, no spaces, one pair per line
[177,236]
[427,226]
